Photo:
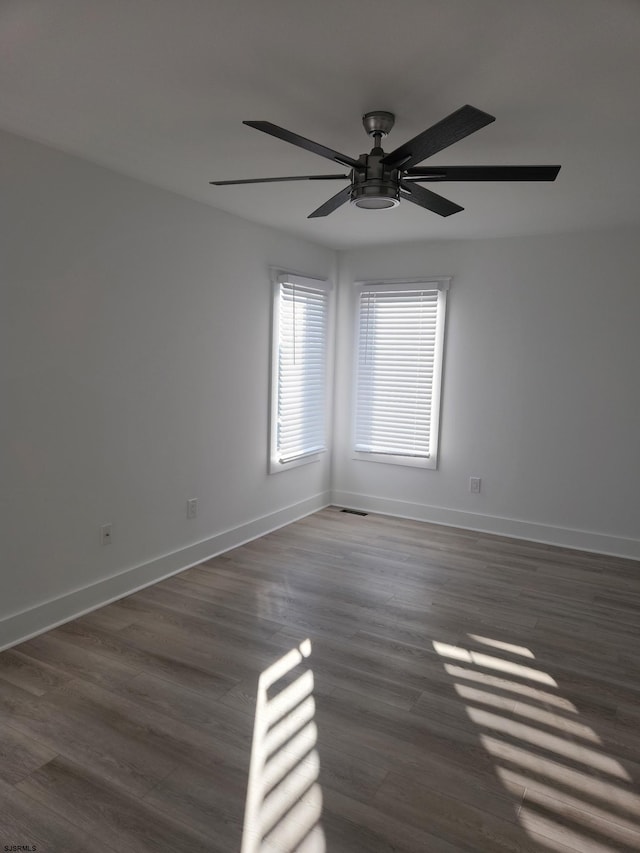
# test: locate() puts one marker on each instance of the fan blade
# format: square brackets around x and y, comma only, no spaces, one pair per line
[332,204]
[274,180]
[308,144]
[484,173]
[451,129]
[431,201]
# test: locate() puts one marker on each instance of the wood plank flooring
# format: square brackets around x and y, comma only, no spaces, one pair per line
[468,693]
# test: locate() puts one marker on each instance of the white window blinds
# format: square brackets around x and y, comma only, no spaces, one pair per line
[301,310]
[400,337]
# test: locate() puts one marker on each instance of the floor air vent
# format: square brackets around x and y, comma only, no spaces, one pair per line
[354,511]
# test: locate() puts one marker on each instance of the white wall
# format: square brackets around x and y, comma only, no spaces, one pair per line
[541,391]
[135,368]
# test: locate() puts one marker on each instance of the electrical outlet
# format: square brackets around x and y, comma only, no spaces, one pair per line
[474,485]
[106,534]
[192,508]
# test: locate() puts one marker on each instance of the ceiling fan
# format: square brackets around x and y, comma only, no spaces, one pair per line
[378,180]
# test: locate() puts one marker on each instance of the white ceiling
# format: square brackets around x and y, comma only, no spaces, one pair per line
[158,89]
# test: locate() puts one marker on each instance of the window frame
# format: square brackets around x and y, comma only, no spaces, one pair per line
[441,284]
[279,277]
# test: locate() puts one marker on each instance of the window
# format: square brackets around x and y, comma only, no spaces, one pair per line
[400,336]
[298,371]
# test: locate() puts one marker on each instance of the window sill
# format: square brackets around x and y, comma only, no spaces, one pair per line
[276,467]
[391,459]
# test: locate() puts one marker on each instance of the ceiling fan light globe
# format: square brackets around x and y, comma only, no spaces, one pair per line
[374,203]
[375,197]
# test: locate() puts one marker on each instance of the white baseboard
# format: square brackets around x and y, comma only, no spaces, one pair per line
[42,617]
[582,540]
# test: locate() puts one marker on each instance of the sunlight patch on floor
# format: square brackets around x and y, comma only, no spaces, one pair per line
[500,683]
[492,662]
[537,766]
[563,805]
[552,743]
[560,837]
[530,712]
[505,647]
[485,697]
[556,721]
[555,799]
[284,799]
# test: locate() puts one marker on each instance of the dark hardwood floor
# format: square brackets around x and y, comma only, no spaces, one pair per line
[459,692]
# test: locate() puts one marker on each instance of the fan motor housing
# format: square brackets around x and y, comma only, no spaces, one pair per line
[375,187]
